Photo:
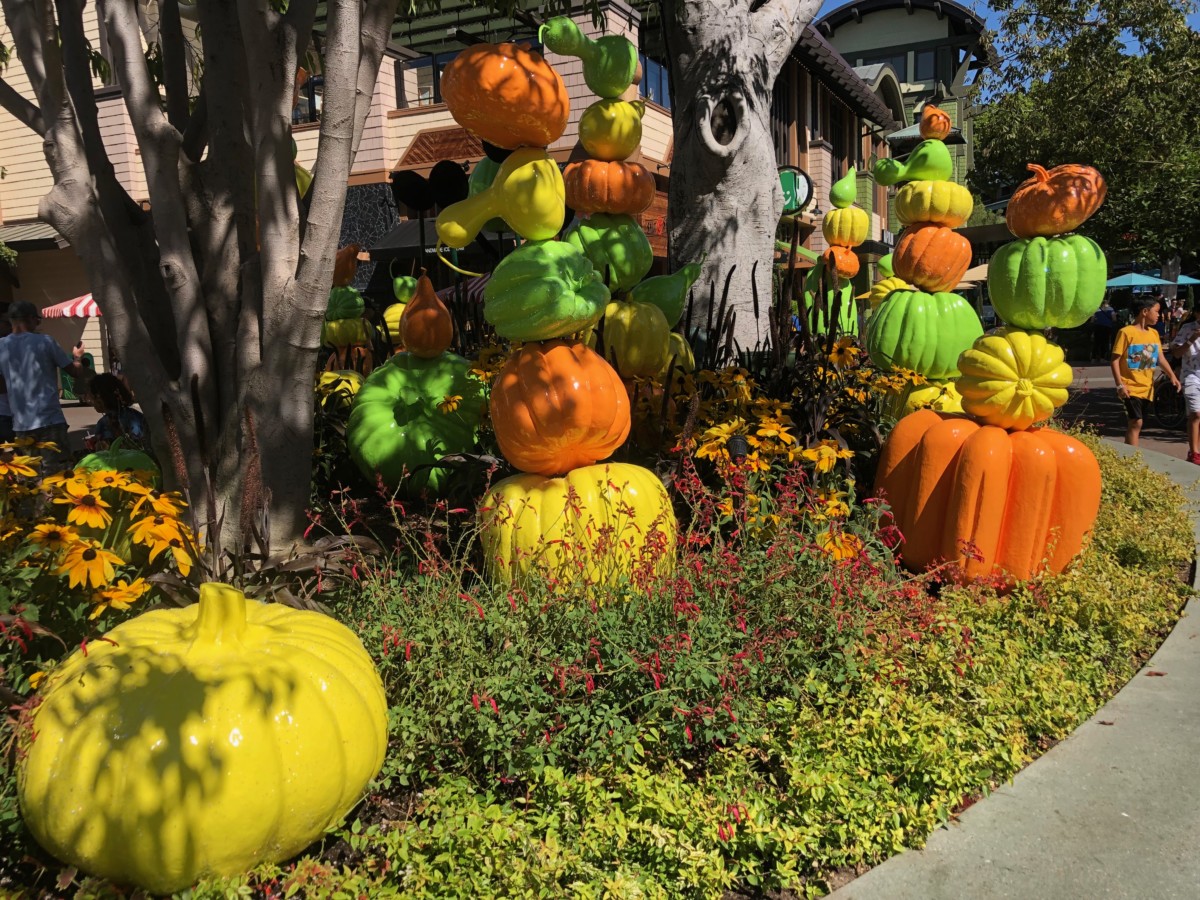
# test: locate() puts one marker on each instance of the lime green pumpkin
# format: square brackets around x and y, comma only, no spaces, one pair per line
[481,179]
[344,333]
[616,246]
[922,332]
[544,290]
[1043,282]
[119,459]
[406,415]
[344,303]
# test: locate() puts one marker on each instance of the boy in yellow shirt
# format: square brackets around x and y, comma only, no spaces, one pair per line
[1135,355]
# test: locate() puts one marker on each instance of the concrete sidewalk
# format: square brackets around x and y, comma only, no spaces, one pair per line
[1113,811]
[1094,402]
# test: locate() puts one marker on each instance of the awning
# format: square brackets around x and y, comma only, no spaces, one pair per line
[978,273]
[32,236]
[472,289]
[79,308]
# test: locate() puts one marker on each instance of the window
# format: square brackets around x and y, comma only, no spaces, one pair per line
[308,104]
[656,82]
[923,65]
[424,87]
[898,61]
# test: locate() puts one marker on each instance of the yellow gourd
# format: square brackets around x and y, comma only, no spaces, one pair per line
[611,130]
[845,227]
[202,741]
[1013,379]
[527,192]
[391,317]
[637,338]
[939,202]
[884,286]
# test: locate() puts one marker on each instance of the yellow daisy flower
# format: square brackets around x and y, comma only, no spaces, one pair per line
[844,352]
[87,563]
[103,479]
[825,455]
[53,537]
[155,532]
[63,478]
[19,465]
[449,403]
[840,545]
[159,503]
[87,507]
[121,595]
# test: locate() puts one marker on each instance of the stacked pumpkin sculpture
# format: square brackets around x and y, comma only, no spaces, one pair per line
[993,491]
[844,227]
[202,741]
[345,329]
[557,407]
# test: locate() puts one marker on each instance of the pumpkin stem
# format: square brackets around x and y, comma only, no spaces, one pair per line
[222,615]
[1039,172]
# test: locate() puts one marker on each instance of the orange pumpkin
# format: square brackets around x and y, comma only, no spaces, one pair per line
[595,186]
[935,124]
[1018,503]
[932,257]
[843,261]
[426,327]
[1056,201]
[556,406]
[507,95]
[345,265]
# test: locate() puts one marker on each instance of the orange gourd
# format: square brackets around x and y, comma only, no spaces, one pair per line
[345,265]
[843,261]
[932,257]
[556,406]
[507,95]
[426,327]
[935,124]
[1018,503]
[1056,201]
[595,186]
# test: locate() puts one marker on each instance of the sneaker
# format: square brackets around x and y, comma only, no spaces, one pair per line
[1193,457]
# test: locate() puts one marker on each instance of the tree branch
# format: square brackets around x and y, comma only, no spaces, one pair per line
[21,109]
[195,136]
[779,24]
[175,78]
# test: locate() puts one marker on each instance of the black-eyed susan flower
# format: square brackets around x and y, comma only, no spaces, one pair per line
[844,352]
[103,479]
[52,537]
[840,544]
[159,503]
[121,595]
[59,480]
[825,455]
[88,508]
[449,403]
[25,466]
[155,532]
[87,563]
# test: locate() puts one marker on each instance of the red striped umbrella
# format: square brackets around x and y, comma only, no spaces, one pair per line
[79,308]
[472,289]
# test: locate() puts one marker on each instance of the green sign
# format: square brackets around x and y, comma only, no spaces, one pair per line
[797,189]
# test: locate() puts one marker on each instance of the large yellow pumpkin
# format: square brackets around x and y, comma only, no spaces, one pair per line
[1013,378]
[637,338]
[845,227]
[939,202]
[202,741]
[595,525]
[1017,503]
[884,286]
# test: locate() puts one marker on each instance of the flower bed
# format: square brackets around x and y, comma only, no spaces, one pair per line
[775,712]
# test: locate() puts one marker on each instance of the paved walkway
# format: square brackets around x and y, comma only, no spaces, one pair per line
[1113,811]
[1094,401]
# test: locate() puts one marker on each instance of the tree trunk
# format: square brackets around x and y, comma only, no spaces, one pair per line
[214,298]
[725,197]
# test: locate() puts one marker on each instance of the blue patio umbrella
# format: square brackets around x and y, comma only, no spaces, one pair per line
[1187,279]
[1133,279]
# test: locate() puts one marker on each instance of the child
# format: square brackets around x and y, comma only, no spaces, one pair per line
[1186,346]
[111,398]
[1135,355]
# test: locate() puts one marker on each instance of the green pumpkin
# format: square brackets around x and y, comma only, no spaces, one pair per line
[481,179]
[344,303]
[344,333]
[847,312]
[616,246]
[543,290]
[1041,282]
[401,419]
[930,161]
[922,332]
[119,459]
[609,63]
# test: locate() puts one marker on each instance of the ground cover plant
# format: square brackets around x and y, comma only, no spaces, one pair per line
[784,709]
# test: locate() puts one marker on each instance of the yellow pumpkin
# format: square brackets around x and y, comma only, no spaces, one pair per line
[845,227]
[884,286]
[941,396]
[391,318]
[1013,379]
[611,130]
[637,339]
[202,741]
[680,353]
[595,525]
[336,389]
[939,202]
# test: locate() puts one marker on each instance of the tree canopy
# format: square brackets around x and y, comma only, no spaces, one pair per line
[1111,85]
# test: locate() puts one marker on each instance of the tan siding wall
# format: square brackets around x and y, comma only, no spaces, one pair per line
[656,133]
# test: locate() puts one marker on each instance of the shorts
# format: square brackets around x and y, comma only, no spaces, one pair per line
[1191,394]
[1135,408]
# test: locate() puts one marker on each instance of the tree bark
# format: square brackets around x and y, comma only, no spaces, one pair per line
[213,299]
[725,197]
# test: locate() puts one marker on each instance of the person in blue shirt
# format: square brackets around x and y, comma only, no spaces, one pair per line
[119,419]
[29,364]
